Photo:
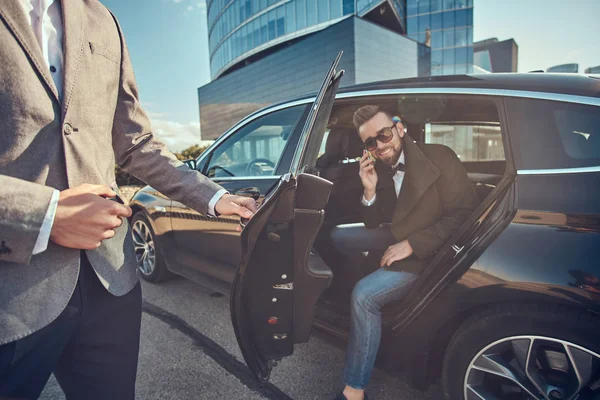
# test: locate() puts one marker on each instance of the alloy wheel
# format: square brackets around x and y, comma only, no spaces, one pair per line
[533,368]
[145,251]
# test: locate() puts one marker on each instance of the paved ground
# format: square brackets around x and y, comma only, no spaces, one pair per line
[188,351]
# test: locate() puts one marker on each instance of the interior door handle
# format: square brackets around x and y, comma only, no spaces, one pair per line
[249,192]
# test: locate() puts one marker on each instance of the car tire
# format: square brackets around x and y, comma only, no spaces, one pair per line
[147,254]
[487,351]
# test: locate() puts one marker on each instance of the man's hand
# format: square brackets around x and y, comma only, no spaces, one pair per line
[84,218]
[230,204]
[396,252]
[368,175]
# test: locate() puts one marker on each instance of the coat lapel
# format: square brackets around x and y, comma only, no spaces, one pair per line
[13,15]
[420,175]
[73,21]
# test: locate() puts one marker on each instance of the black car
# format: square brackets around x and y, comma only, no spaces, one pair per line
[507,309]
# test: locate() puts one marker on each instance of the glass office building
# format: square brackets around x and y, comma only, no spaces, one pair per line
[240,29]
[447,27]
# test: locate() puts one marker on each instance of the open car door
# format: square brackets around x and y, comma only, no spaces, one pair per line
[279,281]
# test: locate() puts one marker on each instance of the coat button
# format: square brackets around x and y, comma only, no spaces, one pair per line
[67,129]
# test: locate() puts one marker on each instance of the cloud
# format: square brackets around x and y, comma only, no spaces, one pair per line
[201,5]
[190,8]
[177,1]
[175,135]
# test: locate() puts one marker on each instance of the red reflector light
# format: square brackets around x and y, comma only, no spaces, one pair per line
[272,321]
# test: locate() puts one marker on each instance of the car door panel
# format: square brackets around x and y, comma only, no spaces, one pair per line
[279,281]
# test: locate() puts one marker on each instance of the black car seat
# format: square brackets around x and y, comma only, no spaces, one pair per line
[339,165]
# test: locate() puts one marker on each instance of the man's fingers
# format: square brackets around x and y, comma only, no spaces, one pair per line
[108,234]
[121,210]
[101,190]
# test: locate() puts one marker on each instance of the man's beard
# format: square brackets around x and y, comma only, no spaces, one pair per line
[390,158]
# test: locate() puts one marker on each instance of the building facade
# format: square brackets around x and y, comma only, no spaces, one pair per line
[572,68]
[447,27]
[493,55]
[241,29]
[371,53]
[265,51]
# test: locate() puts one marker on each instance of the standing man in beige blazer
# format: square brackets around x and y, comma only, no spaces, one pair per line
[70,300]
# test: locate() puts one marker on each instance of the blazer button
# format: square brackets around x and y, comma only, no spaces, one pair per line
[67,129]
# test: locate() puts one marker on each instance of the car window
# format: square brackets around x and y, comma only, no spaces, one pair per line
[256,148]
[552,134]
[470,142]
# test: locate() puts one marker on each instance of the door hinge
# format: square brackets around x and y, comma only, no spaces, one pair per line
[284,286]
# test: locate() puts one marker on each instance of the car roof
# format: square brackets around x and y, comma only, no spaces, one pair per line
[570,84]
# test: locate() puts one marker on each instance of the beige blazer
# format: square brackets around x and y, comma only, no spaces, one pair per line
[47,144]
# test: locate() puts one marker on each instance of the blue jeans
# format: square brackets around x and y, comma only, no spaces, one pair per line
[369,296]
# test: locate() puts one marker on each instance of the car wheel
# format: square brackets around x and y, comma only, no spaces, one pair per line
[524,352]
[147,255]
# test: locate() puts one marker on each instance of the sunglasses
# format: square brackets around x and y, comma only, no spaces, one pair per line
[383,136]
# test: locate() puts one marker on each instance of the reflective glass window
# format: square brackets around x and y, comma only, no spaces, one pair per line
[256,148]
[413,24]
[280,21]
[448,19]
[311,12]
[448,69]
[423,6]
[437,39]
[322,10]
[290,18]
[448,56]
[348,7]
[470,55]
[460,3]
[460,69]
[461,17]
[461,37]
[448,4]
[272,29]
[469,36]
[437,58]
[436,5]
[470,16]
[449,38]
[300,14]
[248,9]
[414,36]
[424,22]
[436,21]
[412,7]
[335,8]
[264,30]
[436,71]
[460,55]
[263,4]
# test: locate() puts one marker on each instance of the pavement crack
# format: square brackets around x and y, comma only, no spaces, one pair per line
[216,352]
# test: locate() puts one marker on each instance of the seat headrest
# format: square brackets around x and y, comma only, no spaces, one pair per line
[341,143]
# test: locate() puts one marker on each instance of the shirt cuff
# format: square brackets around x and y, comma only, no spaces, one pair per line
[213,202]
[41,243]
[368,203]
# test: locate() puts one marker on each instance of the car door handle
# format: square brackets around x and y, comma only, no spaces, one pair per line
[249,192]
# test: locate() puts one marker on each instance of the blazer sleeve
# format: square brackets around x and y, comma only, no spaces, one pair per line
[142,155]
[23,206]
[372,215]
[459,200]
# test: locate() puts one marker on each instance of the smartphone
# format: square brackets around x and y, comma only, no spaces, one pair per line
[371,157]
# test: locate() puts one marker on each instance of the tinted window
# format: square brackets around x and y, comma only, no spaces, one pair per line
[470,142]
[255,149]
[549,134]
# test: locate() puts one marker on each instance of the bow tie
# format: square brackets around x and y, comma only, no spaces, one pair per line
[399,167]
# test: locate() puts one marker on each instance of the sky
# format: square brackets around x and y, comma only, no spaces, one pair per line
[168,44]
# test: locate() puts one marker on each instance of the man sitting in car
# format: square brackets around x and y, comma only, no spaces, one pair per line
[415,197]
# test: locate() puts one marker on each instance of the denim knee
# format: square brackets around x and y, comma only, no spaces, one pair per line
[362,300]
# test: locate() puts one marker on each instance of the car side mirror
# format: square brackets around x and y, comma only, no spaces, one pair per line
[190,163]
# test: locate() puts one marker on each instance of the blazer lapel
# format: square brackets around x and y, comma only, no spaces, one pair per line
[420,175]
[13,15]
[73,21]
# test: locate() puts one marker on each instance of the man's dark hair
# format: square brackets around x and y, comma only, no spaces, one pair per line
[365,113]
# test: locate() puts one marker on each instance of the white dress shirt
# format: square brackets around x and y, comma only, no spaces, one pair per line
[45,18]
[398,178]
